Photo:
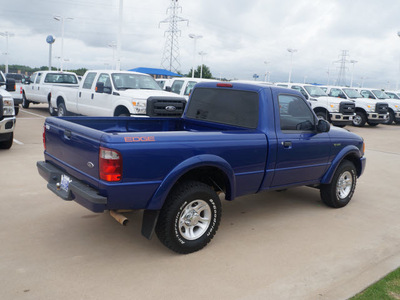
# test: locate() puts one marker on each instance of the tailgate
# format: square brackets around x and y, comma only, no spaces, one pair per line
[74,148]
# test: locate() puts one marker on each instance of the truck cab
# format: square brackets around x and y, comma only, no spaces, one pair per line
[340,113]
[368,110]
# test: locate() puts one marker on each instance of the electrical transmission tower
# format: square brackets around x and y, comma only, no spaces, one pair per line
[170,58]
[341,80]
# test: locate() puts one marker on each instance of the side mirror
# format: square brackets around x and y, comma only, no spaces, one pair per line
[99,87]
[323,126]
[168,89]
[10,85]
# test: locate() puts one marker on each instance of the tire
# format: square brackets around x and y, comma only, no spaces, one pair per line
[25,102]
[359,119]
[391,118]
[16,110]
[340,191]
[7,144]
[373,124]
[189,218]
[61,110]
[322,116]
[52,111]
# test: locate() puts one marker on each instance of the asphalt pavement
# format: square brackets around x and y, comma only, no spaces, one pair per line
[273,245]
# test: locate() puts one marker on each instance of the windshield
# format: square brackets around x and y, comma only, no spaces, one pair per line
[315,91]
[380,95]
[392,95]
[124,81]
[351,93]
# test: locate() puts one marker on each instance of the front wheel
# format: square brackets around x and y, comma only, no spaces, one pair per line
[339,192]
[8,143]
[359,119]
[190,217]
[322,116]
[390,119]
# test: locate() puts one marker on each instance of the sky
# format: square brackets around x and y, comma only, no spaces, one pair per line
[240,38]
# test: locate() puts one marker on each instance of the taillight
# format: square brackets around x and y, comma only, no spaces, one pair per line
[110,165]
[229,85]
[20,90]
[44,137]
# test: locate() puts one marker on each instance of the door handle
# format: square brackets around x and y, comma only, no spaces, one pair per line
[92,96]
[68,134]
[287,144]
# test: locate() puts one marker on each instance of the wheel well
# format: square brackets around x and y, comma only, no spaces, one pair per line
[358,109]
[356,161]
[59,100]
[211,176]
[121,110]
[321,109]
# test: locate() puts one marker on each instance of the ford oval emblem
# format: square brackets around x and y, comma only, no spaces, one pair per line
[170,108]
[90,164]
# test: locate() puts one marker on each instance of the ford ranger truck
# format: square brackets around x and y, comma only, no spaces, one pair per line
[233,139]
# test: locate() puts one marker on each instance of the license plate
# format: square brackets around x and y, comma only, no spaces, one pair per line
[65,180]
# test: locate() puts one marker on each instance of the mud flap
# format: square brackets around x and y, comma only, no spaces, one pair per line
[149,222]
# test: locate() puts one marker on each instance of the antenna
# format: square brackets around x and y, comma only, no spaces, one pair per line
[170,58]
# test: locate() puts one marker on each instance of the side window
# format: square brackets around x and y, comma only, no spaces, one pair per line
[301,90]
[38,77]
[367,94]
[177,86]
[295,114]
[335,93]
[189,87]
[105,78]
[87,84]
[33,77]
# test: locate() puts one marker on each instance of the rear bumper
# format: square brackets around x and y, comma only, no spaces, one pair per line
[78,191]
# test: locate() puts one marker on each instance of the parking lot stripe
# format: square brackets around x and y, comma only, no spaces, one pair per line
[18,142]
[31,113]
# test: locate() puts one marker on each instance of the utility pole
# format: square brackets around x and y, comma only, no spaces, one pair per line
[119,39]
[170,59]
[341,81]
[291,51]
[62,20]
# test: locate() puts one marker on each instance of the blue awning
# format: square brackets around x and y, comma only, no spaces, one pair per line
[155,71]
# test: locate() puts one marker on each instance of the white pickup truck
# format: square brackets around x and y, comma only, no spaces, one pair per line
[340,113]
[7,114]
[394,104]
[183,86]
[369,111]
[116,93]
[37,89]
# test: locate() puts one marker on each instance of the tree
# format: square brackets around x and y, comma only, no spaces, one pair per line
[206,72]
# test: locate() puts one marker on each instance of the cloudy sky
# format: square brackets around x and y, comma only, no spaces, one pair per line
[238,36]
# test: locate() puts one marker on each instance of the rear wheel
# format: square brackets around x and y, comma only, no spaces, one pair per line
[189,218]
[61,110]
[339,192]
[52,111]
[25,102]
[16,109]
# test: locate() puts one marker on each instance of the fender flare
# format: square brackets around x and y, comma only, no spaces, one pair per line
[204,160]
[345,152]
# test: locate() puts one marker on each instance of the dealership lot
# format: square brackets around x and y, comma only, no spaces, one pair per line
[285,245]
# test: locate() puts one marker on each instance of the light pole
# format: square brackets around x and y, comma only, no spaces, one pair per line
[202,54]
[62,20]
[113,45]
[266,70]
[6,34]
[195,38]
[352,71]
[291,50]
[398,75]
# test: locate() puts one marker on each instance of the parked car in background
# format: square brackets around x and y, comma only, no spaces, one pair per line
[369,111]
[116,93]
[183,86]
[37,89]
[16,94]
[163,82]
[7,113]
[337,111]
[394,104]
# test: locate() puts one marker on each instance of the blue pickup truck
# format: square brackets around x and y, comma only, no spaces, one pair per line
[233,139]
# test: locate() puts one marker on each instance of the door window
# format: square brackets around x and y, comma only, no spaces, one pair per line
[87,84]
[295,114]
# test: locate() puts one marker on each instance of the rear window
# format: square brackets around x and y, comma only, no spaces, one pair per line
[231,107]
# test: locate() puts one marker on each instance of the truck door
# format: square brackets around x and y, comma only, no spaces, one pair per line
[302,154]
[101,104]
[85,97]
[31,90]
